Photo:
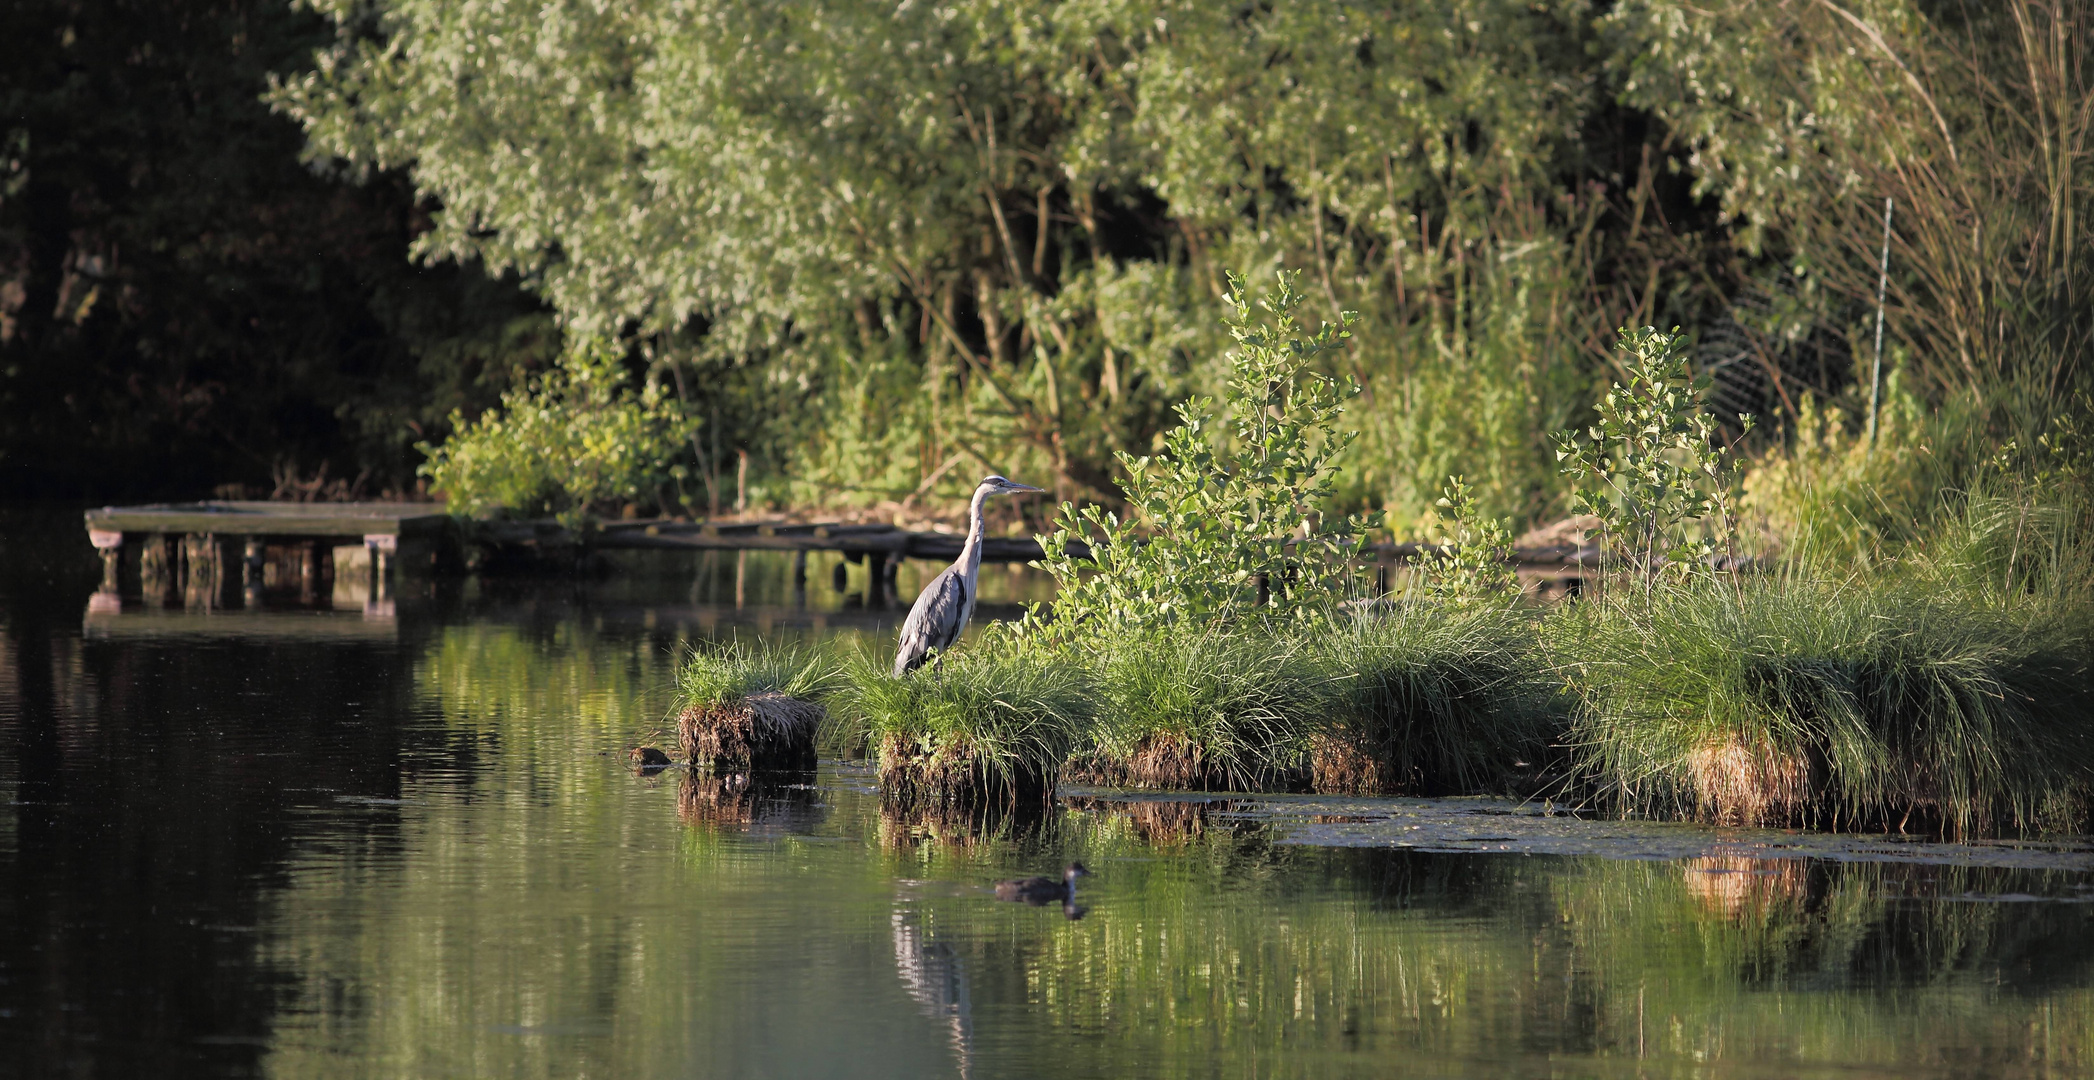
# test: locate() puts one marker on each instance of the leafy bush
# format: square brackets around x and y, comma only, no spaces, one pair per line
[1652,469]
[1474,566]
[1222,523]
[572,441]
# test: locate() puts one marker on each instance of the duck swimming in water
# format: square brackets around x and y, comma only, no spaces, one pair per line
[1043,890]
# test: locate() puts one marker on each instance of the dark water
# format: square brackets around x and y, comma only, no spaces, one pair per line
[307,843]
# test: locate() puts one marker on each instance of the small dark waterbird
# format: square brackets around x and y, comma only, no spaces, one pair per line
[1043,890]
[945,605]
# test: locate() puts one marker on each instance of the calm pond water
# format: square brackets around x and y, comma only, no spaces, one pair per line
[403,843]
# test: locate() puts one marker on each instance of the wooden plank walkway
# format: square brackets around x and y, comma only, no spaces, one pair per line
[272,520]
[410,532]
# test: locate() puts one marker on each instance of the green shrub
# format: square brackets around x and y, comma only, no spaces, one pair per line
[983,726]
[572,442]
[1652,469]
[1206,709]
[1426,699]
[1222,523]
[1473,567]
[1784,701]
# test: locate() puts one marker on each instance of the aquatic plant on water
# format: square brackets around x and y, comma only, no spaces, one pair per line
[1790,702]
[1426,698]
[1209,709]
[753,706]
[981,726]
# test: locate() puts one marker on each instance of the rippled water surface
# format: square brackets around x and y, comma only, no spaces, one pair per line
[402,842]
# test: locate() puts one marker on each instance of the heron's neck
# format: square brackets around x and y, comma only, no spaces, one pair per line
[977,529]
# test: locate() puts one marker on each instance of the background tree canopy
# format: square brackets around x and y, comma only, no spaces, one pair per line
[884,246]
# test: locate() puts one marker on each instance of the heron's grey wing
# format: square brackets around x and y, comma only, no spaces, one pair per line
[934,622]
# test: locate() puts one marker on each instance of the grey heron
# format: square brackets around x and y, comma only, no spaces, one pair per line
[944,606]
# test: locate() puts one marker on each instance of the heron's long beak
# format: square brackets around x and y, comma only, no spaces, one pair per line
[1016,486]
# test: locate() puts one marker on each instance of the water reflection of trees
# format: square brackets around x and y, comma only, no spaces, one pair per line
[1209,947]
[1210,944]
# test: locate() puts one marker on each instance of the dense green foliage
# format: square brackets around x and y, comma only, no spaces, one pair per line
[867,245]
[570,440]
[1013,256]
[1221,523]
[1003,226]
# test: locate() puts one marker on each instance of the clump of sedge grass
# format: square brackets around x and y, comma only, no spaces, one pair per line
[1789,702]
[1204,710]
[1430,699]
[980,728]
[753,706]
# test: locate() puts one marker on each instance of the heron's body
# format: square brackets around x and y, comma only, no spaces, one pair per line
[943,608]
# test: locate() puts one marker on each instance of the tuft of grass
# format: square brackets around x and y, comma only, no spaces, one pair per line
[1205,710]
[754,706]
[1794,702]
[1426,699]
[980,728]
[730,672]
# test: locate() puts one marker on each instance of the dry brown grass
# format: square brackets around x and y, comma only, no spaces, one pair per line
[955,774]
[1736,782]
[1163,761]
[1339,765]
[765,731]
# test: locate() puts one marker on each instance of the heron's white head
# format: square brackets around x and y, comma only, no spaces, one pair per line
[997,485]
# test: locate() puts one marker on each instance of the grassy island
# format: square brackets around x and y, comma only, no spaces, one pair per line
[1222,638]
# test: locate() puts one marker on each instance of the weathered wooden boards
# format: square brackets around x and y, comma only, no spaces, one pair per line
[212,551]
[214,546]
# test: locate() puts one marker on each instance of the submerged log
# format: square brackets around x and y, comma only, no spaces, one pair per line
[762,732]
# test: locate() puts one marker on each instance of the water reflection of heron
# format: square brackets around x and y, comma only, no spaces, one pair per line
[936,978]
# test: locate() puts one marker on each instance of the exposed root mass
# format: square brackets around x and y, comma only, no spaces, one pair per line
[765,731]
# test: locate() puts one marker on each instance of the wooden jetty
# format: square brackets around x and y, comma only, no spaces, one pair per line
[212,549]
